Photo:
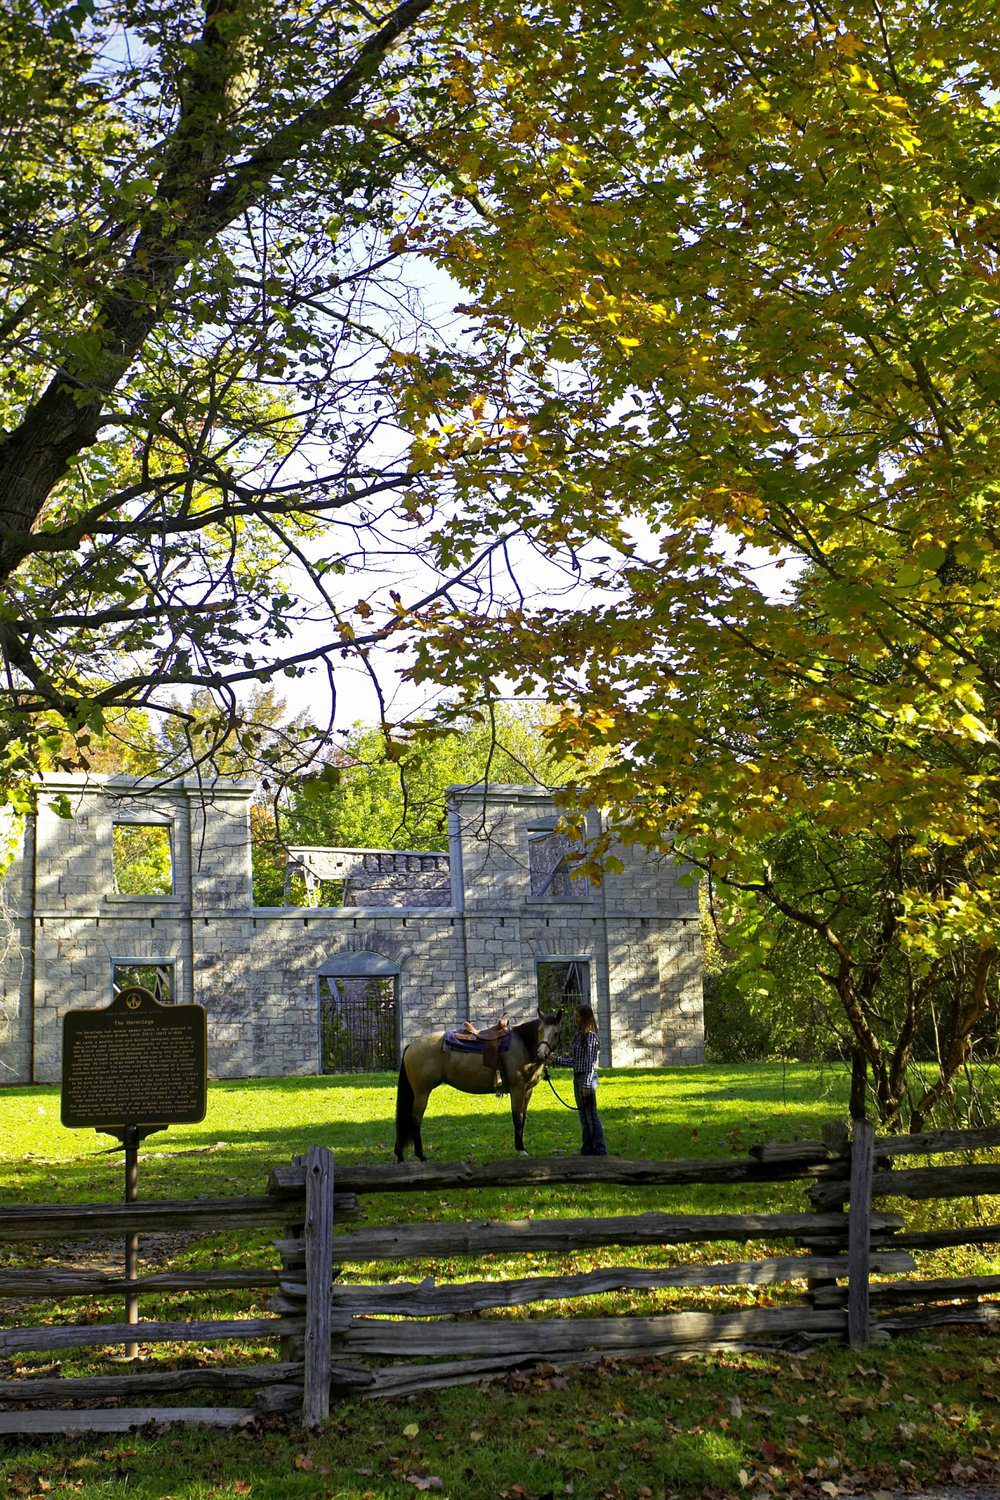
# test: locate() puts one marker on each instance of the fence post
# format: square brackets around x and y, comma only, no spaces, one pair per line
[130,1140]
[859,1222]
[319,1261]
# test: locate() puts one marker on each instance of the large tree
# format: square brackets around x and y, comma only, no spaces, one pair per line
[215,224]
[763,242]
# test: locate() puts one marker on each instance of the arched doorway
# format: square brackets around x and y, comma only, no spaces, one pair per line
[359,1014]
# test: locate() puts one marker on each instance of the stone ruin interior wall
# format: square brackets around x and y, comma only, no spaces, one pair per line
[373,877]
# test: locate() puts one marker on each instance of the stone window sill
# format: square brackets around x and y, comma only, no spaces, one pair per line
[113,899]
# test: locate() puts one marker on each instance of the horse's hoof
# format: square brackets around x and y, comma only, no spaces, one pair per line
[522,1152]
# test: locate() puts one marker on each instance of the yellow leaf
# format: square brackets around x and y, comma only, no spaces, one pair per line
[975,728]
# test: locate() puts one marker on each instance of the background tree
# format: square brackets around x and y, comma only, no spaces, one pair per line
[381,793]
[258,741]
[764,999]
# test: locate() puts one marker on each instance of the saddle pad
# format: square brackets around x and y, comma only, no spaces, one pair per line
[460,1041]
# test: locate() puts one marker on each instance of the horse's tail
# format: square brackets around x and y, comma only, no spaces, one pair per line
[404,1110]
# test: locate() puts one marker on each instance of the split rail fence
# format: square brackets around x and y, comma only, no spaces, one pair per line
[337,1338]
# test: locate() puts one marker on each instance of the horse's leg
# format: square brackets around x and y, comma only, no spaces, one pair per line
[404,1110]
[410,1105]
[518,1107]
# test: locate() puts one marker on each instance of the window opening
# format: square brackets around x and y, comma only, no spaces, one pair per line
[303,888]
[548,869]
[563,983]
[155,975]
[142,859]
[358,1028]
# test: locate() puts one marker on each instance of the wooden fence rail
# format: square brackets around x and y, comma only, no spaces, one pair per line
[339,1337]
[43,1223]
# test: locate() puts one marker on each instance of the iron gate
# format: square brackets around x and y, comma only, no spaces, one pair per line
[358,1024]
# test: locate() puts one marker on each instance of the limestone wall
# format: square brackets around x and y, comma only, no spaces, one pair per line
[16,965]
[638,932]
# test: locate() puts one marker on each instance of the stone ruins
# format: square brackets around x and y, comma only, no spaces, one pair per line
[150,883]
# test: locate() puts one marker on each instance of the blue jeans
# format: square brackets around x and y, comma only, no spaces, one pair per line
[590,1120]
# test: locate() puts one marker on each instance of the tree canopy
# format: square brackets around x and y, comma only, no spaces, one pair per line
[763,243]
[386,795]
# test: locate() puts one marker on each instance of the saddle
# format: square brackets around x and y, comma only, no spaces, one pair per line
[491,1041]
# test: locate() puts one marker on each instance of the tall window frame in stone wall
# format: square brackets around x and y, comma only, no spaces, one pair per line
[563,982]
[358,1010]
[142,859]
[158,975]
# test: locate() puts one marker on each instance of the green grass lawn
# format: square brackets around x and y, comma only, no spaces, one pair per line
[920,1410]
[252,1124]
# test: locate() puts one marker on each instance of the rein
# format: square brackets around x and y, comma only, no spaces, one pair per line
[548,1079]
[549,1049]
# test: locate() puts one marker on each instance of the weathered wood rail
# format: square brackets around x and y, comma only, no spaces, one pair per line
[20,1398]
[339,1337]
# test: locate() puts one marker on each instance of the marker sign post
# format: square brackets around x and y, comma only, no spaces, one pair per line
[127,1070]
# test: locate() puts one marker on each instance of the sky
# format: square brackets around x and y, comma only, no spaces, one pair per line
[542,583]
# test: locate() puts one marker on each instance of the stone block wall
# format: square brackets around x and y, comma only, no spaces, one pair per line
[258,979]
[493,833]
[638,932]
[17,965]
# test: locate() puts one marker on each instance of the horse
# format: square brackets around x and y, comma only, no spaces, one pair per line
[428,1061]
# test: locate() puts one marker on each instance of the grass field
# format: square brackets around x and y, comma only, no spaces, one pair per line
[921,1410]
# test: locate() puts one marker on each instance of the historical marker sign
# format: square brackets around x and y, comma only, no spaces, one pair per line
[137,1062]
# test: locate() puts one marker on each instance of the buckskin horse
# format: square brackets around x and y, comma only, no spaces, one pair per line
[430,1060]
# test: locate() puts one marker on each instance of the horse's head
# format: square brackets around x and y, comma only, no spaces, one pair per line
[548,1035]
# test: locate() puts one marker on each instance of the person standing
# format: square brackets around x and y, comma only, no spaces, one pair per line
[586,1050]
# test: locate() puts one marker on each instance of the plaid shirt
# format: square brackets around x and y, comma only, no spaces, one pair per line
[586,1047]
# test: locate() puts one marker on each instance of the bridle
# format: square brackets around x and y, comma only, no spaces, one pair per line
[549,1047]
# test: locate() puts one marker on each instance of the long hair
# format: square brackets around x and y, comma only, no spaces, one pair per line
[586,1020]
